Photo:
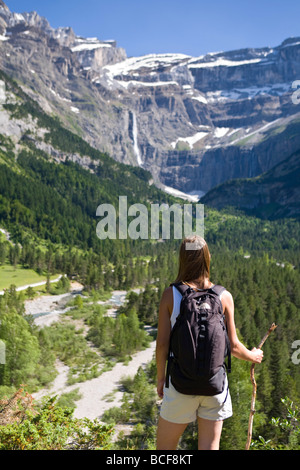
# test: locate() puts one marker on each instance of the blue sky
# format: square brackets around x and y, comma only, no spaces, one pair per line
[191,27]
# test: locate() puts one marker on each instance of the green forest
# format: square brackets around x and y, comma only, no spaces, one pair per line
[49,209]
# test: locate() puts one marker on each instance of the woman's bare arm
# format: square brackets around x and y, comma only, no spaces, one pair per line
[163,337]
[237,348]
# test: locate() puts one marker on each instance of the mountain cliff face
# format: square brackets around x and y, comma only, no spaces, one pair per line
[274,194]
[192,122]
[52,181]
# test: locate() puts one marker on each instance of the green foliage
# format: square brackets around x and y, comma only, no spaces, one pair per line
[118,337]
[22,349]
[285,430]
[143,436]
[139,410]
[145,304]
[68,400]
[234,432]
[138,400]
[62,286]
[78,302]
[49,210]
[54,428]
[72,349]
[21,345]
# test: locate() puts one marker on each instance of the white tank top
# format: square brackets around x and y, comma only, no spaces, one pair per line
[176,305]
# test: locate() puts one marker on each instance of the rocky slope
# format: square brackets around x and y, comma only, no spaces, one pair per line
[193,122]
[274,194]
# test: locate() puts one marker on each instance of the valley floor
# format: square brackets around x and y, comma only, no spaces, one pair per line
[100,393]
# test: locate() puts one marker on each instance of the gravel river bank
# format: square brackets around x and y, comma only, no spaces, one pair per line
[94,393]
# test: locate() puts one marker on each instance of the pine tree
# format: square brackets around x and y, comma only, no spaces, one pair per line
[22,350]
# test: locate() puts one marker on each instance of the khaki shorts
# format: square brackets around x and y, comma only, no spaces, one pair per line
[179,408]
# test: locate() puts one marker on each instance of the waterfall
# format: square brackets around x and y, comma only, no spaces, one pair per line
[135,140]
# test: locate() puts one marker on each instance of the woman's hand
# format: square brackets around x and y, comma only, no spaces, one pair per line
[160,388]
[258,355]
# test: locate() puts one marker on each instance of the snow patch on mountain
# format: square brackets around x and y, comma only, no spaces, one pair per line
[191,141]
[150,61]
[277,89]
[136,83]
[219,132]
[88,47]
[221,62]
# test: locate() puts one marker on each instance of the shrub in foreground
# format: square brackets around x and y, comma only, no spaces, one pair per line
[23,427]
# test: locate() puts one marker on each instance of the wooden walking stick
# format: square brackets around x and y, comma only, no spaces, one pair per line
[252,411]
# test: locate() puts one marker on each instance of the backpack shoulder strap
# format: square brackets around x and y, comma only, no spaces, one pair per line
[182,288]
[217,289]
[184,291]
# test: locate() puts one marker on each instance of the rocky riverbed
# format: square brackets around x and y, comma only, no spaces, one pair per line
[94,393]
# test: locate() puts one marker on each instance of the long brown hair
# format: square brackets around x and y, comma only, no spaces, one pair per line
[194,264]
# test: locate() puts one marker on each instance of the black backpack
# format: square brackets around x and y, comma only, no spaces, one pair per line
[199,343]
